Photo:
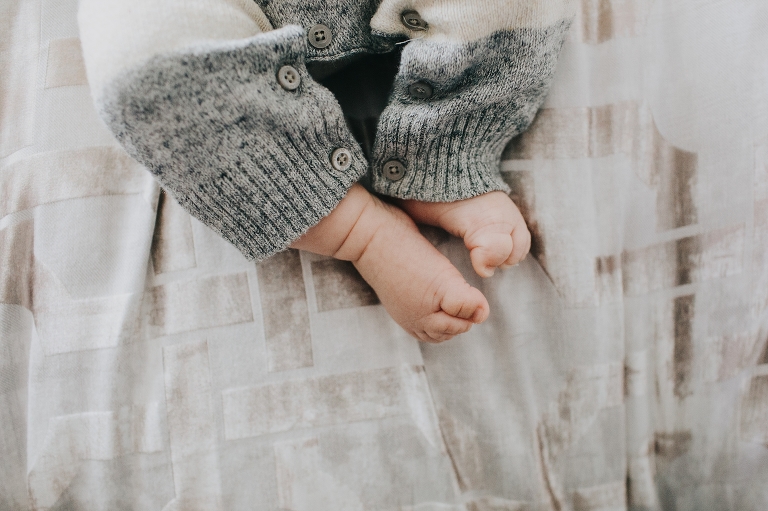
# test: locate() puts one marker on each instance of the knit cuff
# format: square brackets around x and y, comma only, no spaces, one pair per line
[455,106]
[255,160]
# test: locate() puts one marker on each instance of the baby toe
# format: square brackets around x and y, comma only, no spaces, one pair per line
[440,327]
[521,239]
[490,252]
[462,301]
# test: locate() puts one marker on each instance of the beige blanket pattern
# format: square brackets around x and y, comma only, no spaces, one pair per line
[144,364]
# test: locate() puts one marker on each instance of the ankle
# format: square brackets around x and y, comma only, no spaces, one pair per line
[333,235]
[371,219]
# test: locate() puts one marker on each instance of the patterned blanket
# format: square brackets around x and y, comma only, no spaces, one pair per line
[144,364]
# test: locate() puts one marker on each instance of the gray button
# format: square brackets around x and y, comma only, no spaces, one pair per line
[420,90]
[341,159]
[320,36]
[413,20]
[289,78]
[393,170]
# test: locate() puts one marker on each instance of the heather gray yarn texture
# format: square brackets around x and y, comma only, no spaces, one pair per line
[246,157]
[484,93]
[347,20]
[252,160]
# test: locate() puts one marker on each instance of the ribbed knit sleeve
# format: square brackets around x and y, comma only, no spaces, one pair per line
[235,129]
[245,156]
[472,76]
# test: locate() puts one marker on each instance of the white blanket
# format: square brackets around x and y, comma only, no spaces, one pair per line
[144,364]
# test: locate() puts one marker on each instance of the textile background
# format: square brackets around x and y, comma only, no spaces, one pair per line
[144,364]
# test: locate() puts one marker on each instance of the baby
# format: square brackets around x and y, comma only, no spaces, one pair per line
[216,100]
[419,287]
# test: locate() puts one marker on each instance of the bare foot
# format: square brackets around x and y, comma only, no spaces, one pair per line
[420,288]
[490,224]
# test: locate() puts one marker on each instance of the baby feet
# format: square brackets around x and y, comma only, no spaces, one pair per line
[490,224]
[422,291]
[419,287]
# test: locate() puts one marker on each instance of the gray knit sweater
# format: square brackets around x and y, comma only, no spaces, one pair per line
[214,98]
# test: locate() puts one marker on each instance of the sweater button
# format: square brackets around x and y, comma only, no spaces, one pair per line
[289,78]
[420,90]
[341,159]
[320,36]
[393,170]
[413,20]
